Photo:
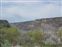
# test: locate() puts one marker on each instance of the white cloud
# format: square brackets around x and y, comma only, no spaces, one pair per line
[11,10]
[31,0]
[29,11]
[61,11]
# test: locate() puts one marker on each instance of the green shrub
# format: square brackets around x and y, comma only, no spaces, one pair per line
[6,44]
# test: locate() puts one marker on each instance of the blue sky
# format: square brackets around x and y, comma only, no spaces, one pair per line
[29,10]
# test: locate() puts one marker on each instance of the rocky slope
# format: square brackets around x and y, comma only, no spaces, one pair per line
[48,25]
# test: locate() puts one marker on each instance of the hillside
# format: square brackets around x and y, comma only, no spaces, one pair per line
[49,26]
[47,31]
[49,23]
[7,34]
[4,23]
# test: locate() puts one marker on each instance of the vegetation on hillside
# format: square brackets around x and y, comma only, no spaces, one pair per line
[11,36]
[7,33]
[59,34]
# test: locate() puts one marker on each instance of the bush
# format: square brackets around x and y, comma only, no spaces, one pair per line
[36,37]
[6,44]
[9,34]
[59,33]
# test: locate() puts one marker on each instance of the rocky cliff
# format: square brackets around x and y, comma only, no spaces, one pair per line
[48,25]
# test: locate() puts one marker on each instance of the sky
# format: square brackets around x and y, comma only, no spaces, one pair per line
[31,0]
[26,10]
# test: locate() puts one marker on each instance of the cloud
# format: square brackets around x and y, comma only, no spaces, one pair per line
[61,10]
[26,11]
[31,0]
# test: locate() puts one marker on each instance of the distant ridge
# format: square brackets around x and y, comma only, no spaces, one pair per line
[40,19]
[4,23]
[49,26]
[27,25]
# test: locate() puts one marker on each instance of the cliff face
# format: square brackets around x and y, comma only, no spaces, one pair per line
[46,24]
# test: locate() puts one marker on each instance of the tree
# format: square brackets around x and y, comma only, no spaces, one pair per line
[7,33]
[36,36]
[10,34]
[59,33]
[4,23]
[6,44]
